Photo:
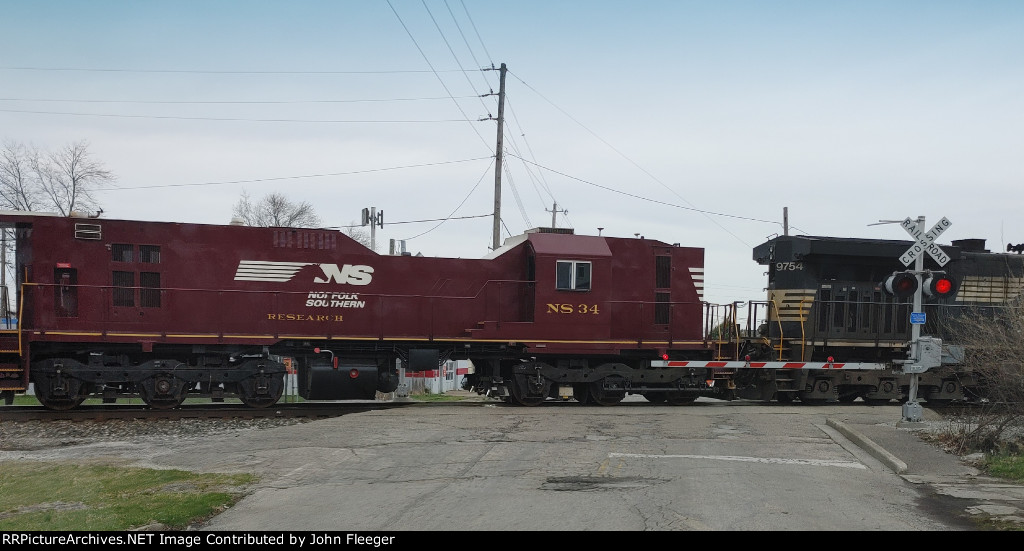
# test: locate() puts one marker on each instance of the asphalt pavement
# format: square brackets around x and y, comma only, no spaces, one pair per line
[877,431]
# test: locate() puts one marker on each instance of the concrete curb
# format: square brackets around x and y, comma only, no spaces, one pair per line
[876,451]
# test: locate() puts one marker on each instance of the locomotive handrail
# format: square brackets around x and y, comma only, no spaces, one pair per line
[303,292]
[425,305]
[21,320]
[803,331]
[778,320]
[735,306]
[221,290]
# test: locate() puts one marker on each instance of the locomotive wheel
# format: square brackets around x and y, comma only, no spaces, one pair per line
[520,394]
[603,397]
[163,391]
[261,390]
[581,392]
[681,399]
[655,397]
[948,388]
[61,394]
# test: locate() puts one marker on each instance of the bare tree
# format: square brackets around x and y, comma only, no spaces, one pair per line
[19,189]
[69,176]
[991,339]
[275,210]
[62,181]
[357,233]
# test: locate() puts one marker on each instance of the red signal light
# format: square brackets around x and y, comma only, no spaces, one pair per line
[939,286]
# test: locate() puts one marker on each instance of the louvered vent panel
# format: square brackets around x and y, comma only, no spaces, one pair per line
[88,231]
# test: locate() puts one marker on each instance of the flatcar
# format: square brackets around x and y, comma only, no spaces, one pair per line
[166,311]
[827,299]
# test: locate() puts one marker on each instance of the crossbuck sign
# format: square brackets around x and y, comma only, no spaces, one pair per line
[925,241]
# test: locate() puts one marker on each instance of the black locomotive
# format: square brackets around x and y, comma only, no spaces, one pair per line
[827,298]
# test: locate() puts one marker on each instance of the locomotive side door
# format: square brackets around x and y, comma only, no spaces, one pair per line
[65,292]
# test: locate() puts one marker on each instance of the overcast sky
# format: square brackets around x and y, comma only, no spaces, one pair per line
[689,122]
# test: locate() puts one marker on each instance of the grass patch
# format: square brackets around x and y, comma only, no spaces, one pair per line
[63,496]
[25,400]
[1005,466]
[430,397]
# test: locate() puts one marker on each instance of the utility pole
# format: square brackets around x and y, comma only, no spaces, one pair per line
[3,276]
[496,233]
[554,211]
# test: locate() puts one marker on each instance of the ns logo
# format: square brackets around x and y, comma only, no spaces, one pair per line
[352,274]
[281,272]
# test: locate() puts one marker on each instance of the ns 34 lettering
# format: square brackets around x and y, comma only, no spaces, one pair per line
[573,309]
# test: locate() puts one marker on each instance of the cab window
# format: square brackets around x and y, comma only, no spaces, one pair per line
[572,275]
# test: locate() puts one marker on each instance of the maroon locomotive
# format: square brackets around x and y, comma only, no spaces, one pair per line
[166,311]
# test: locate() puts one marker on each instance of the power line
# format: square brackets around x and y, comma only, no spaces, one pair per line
[225,119]
[228,102]
[278,178]
[454,56]
[222,72]
[436,73]
[468,47]
[472,24]
[642,169]
[642,198]
[424,221]
[456,209]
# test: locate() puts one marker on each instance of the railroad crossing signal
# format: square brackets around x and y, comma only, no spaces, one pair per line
[924,350]
[925,241]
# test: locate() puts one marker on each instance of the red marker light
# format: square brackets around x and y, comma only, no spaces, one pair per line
[664,356]
[831,359]
[353,373]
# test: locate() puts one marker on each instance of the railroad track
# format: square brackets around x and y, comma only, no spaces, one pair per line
[304,410]
[192,411]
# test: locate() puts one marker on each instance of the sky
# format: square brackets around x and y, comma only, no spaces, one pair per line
[703,123]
